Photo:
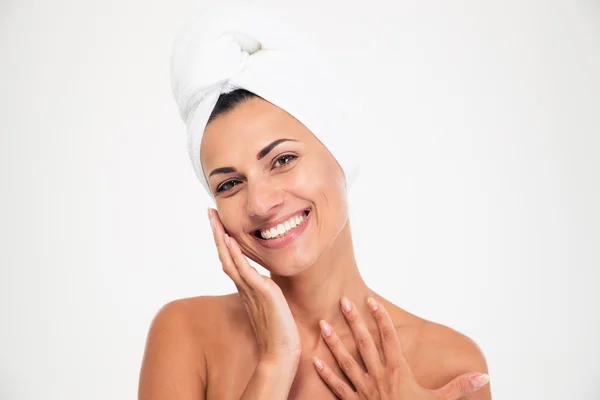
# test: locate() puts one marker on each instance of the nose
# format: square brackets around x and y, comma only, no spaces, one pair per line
[263,198]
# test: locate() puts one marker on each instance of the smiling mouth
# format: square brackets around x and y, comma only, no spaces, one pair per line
[282,229]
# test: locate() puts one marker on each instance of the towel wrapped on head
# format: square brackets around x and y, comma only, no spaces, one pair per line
[238,47]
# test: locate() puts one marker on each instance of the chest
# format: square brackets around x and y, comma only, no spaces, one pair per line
[232,358]
[230,368]
[308,385]
[228,382]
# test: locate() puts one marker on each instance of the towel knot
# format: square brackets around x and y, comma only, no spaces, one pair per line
[247,43]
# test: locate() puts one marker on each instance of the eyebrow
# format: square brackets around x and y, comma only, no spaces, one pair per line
[259,156]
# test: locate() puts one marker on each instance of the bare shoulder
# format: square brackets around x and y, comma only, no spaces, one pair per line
[174,363]
[443,353]
[437,353]
[196,319]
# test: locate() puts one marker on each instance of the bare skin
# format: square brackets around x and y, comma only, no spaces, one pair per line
[221,341]
[206,347]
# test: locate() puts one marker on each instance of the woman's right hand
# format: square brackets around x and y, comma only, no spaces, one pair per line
[274,326]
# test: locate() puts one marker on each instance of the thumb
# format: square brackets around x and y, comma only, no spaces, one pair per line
[463,385]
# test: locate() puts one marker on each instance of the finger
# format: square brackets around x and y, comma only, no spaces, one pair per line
[364,341]
[347,363]
[249,274]
[251,280]
[335,383]
[224,256]
[462,386]
[392,348]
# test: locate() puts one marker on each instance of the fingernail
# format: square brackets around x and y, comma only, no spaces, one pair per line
[226,236]
[346,304]
[480,380]
[318,363]
[372,304]
[325,328]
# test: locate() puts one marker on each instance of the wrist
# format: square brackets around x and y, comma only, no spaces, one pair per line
[272,379]
[278,367]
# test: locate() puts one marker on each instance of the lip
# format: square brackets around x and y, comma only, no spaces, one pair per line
[288,238]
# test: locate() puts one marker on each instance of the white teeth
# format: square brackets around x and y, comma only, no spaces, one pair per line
[283,228]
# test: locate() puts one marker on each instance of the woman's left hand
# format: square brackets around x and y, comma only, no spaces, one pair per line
[389,380]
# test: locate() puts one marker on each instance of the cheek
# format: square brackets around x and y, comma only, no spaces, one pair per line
[320,169]
[329,179]
[230,219]
[324,183]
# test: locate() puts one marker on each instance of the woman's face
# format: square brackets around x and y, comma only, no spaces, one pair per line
[267,170]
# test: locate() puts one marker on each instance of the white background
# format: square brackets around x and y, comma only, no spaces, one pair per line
[476,207]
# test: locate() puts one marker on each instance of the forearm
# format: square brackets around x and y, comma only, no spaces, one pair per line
[270,381]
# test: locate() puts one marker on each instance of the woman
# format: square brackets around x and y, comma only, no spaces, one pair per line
[281,199]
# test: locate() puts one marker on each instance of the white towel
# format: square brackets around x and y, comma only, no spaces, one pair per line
[238,47]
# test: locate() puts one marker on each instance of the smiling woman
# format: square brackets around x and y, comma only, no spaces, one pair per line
[265,181]
[272,151]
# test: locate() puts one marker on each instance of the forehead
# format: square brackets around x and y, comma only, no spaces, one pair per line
[247,128]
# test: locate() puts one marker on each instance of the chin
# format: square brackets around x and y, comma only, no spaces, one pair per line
[288,265]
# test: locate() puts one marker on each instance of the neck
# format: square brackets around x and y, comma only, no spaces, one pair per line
[315,293]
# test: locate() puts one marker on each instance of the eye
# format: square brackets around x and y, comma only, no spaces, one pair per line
[227,185]
[282,160]
[286,159]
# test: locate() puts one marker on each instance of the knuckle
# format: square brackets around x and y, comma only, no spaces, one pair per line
[329,376]
[265,287]
[388,334]
[462,386]
[363,343]
[394,372]
[270,284]
[347,365]
[339,388]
